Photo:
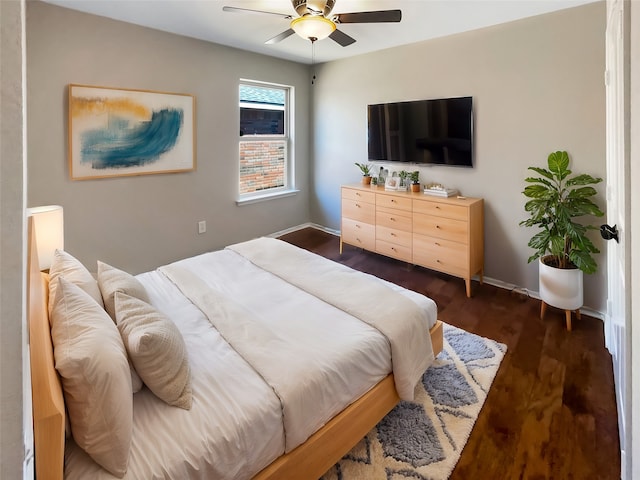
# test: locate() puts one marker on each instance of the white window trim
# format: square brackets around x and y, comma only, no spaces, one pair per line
[263,197]
[290,188]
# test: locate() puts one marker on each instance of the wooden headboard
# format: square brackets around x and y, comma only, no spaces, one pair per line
[47,399]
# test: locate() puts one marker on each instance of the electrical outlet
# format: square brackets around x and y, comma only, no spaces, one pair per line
[202,226]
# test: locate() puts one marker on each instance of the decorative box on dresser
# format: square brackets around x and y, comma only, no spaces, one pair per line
[439,233]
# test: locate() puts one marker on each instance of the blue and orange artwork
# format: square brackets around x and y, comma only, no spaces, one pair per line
[132,135]
[115,132]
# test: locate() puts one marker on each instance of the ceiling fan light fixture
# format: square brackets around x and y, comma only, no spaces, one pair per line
[313,27]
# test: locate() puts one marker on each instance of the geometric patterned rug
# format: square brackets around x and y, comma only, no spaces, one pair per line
[423,439]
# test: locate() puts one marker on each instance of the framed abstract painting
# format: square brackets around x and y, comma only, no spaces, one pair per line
[118,132]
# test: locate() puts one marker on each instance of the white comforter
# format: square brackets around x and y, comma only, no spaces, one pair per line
[235,426]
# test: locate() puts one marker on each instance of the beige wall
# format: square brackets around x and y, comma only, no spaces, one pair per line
[12,188]
[138,223]
[537,86]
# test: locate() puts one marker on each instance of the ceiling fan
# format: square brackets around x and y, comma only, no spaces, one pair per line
[315,22]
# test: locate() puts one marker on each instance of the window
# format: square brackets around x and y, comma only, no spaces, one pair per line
[265,163]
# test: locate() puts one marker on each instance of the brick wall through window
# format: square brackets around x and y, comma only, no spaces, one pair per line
[262,165]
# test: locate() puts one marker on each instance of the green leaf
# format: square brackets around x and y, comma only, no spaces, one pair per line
[583,179]
[543,172]
[582,192]
[559,163]
[535,191]
[556,244]
[583,261]
[540,240]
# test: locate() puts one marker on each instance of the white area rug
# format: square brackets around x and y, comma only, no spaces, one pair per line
[423,439]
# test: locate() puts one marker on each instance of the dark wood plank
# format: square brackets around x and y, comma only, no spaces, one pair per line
[551,412]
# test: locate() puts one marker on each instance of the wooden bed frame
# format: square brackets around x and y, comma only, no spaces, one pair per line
[310,460]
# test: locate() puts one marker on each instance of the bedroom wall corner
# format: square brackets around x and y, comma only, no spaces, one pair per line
[15,412]
[537,86]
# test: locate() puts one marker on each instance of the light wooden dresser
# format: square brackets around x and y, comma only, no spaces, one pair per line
[442,234]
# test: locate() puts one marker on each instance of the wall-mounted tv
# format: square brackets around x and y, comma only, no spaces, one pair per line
[436,132]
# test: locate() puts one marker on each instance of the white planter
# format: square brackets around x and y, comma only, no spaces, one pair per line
[561,288]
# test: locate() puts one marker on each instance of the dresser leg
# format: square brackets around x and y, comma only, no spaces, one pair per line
[467,282]
[543,309]
[341,245]
[567,314]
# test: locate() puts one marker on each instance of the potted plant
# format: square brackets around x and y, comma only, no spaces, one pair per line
[415,181]
[366,173]
[403,179]
[564,251]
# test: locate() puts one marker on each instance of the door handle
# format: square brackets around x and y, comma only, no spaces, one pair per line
[608,232]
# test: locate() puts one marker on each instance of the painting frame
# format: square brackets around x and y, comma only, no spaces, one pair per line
[116,132]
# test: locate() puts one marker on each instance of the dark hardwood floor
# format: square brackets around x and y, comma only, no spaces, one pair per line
[551,411]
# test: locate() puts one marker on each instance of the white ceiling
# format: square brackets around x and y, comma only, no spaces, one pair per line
[421,20]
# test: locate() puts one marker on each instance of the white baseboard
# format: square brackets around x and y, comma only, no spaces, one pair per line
[305,225]
[491,281]
[534,294]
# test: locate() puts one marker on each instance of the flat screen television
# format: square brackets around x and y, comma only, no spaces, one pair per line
[436,132]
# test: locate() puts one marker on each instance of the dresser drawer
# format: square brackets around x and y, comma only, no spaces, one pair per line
[441,255]
[393,235]
[359,234]
[391,201]
[441,227]
[359,210]
[352,194]
[393,218]
[393,250]
[456,212]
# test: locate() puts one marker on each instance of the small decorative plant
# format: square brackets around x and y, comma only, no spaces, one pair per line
[415,181]
[364,168]
[403,177]
[556,199]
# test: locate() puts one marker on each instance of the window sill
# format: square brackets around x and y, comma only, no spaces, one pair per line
[266,196]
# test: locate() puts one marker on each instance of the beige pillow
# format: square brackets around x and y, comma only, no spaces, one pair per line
[156,349]
[64,264]
[92,361]
[112,280]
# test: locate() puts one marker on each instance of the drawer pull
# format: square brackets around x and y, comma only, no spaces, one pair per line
[394,249]
[358,226]
[438,227]
[392,234]
[438,261]
[437,244]
[358,205]
[437,207]
[392,219]
[393,200]
[358,194]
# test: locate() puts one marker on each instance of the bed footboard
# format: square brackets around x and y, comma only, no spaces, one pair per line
[329,444]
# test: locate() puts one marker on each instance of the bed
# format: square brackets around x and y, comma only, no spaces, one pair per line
[280,430]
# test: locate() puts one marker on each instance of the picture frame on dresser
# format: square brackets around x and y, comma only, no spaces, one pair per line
[391,183]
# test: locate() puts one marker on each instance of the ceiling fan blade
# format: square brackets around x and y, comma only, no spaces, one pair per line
[380,16]
[280,37]
[247,10]
[342,38]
